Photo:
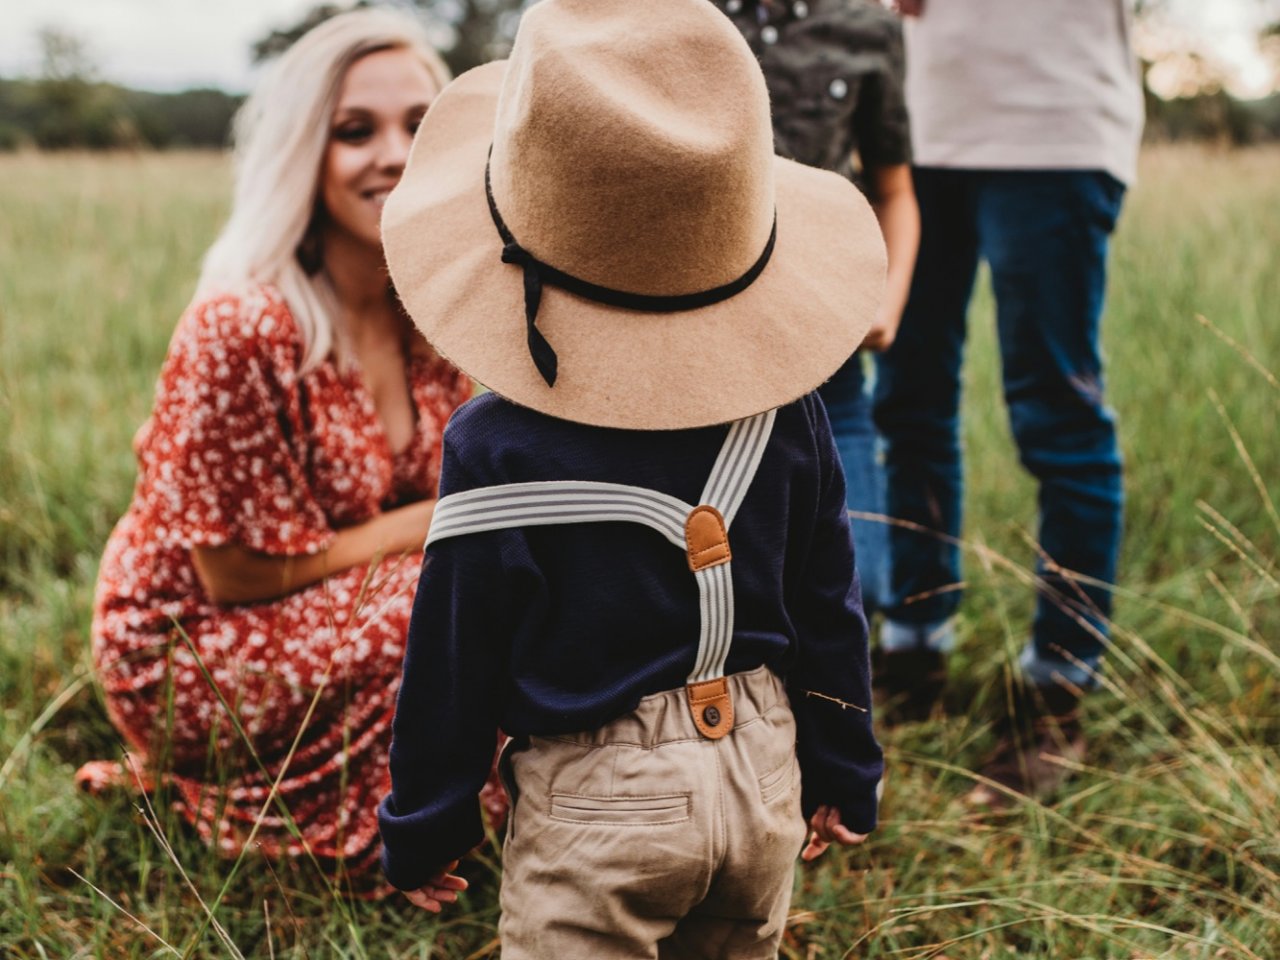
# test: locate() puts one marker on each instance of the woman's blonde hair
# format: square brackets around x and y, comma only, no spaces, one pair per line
[280,135]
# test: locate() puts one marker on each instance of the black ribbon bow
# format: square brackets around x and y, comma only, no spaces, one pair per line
[544,358]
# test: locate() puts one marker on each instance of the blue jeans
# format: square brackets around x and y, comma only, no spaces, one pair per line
[1045,236]
[847,397]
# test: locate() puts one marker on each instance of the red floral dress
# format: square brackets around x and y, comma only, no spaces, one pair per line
[242,449]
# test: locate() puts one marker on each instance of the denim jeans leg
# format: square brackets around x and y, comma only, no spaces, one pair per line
[848,406]
[917,409]
[1045,235]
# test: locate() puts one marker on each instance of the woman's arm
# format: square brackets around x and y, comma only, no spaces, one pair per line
[232,574]
[894,201]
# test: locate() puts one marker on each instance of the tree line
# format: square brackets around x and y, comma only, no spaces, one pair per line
[103,116]
[67,107]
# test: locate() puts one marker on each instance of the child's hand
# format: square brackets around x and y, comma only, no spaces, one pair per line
[882,333]
[441,889]
[827,829]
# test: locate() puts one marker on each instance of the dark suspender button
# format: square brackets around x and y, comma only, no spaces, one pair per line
[712,716]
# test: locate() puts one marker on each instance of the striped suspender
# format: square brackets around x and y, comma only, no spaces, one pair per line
[701,531]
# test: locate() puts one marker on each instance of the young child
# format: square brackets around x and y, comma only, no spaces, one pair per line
[640,566]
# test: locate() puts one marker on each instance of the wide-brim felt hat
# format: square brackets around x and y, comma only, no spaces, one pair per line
[597,228]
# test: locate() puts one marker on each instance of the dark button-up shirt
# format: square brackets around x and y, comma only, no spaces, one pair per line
[561,629]
[835,71]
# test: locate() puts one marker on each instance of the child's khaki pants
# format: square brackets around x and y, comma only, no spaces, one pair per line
[645,840]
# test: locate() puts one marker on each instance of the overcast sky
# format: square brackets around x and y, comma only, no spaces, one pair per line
[175,44]
[150,44]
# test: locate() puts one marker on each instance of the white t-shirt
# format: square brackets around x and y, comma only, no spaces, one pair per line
[1024,84]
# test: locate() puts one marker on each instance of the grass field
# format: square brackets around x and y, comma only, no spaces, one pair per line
[1166,845]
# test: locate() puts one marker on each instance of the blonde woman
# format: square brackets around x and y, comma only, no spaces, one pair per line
[253,602]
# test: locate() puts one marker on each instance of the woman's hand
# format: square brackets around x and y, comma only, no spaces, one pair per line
[232,575]
[827,829]
[440,889]
[405,528]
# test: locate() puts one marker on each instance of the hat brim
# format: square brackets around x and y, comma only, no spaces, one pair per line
[766,346]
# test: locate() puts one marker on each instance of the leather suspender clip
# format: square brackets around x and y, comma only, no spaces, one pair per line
[711,707]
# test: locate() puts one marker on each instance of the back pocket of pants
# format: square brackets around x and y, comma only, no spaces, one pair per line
[778,782]
[621,811]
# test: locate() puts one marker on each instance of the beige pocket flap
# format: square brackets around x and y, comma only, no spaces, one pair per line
[623,811]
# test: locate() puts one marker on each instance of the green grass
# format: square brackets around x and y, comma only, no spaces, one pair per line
[1167,845]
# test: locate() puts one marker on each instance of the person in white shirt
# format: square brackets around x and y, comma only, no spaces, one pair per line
[1026,119]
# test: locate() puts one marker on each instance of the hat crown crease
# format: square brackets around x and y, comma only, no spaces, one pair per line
[642,167]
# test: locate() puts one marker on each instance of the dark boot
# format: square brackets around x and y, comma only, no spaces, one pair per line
[907,684]
[1037,746]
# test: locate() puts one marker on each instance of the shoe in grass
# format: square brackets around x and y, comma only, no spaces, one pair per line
[1039,744]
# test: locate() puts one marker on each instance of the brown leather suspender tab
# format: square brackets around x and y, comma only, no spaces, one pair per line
[711,707]
[706,539]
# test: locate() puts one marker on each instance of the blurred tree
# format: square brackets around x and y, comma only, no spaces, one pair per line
[1269,43]
[18,112]
[482,29]
[191,118]
[278,41]
[62,93]
[71,109]
[467,32]
[64,57]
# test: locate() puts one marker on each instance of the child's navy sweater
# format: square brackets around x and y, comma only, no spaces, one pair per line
[561,629]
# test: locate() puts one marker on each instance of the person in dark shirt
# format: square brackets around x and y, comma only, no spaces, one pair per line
[835,73]
[641,566]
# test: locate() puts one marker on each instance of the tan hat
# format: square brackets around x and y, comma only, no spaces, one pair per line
[615,182]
